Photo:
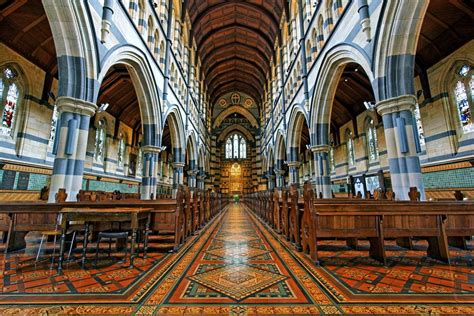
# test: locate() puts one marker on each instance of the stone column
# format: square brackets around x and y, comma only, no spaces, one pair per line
[71,144]
[201,177]
[192,174]
[177,176]
[151,156]
[322,170]
[279,178]
[294,167]
[401,137]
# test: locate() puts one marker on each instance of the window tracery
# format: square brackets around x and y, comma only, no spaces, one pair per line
[463,94]
[236,147]
[9,94]
[100,142]
[350,148]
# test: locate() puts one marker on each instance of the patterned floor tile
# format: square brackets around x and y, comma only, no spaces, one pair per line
[237,281]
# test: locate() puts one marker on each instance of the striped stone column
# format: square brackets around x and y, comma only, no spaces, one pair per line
[271,178]
[401,137]
[151,156]
[178,169]
[294,168]
[70,149]
[322,170]
[192,178]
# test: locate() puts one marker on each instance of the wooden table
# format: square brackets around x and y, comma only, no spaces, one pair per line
[88,215]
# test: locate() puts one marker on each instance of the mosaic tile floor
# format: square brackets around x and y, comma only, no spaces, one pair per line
[236,266]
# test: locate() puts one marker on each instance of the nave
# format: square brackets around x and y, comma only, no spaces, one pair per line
[237,265]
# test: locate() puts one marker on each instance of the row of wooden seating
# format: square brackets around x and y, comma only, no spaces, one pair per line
[304,221]
[178,217]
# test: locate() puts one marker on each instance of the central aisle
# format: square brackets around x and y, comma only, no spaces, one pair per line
[233,268]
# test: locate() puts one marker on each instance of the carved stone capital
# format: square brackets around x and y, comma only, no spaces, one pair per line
[398,104]
[73,105]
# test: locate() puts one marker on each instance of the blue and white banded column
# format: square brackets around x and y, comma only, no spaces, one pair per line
[322,170]
[70,146]
[294,168]
[151,156]
[192,178]
[403,147]
[178,169]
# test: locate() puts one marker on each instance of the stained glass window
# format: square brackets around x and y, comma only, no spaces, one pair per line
[331,159]
[462,102]
[52,133]
[228,149]
[350,148]
[9,93]
[100,142]
[139,163]
[121,150]
[236,147]
[419,124]
[243,148]
[463,96]
[372,140]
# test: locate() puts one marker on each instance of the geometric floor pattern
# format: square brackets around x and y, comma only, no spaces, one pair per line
[237,266]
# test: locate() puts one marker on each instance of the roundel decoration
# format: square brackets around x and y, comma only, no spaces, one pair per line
[223,102]
[248,102]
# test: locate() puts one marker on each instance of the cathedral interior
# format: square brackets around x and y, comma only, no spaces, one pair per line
[236,157]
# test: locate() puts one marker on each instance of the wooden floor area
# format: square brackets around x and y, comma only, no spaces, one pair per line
[236,266]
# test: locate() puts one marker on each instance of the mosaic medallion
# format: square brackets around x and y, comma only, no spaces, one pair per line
[238,281]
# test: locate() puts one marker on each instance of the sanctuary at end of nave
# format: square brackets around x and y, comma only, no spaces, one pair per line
[236,157]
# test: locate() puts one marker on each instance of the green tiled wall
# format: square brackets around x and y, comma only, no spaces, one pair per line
[457,178]
[110,186]
[38,181]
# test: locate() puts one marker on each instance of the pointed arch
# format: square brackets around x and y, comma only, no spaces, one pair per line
[324,91]
[144,84]
[235,109]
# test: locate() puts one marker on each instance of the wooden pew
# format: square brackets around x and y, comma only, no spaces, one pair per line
[294,219]
[285,214]
[433,221]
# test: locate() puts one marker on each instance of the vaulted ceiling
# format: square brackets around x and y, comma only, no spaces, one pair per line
[235,41]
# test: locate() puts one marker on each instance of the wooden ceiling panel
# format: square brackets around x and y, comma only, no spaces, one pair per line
[235,40]
[117,90]
[448,25]
[24,28]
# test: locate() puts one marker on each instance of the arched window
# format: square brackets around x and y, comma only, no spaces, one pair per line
[419,124]
[236,147]
[121,150]
[156,52]
[330,22]
[463,94]
[372,146]
[332,162]
[243,148]
[151,38]
[320,32]
[9,93]
[350,148]
[52,134]
[228,149]
[99,153]
[139,171]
